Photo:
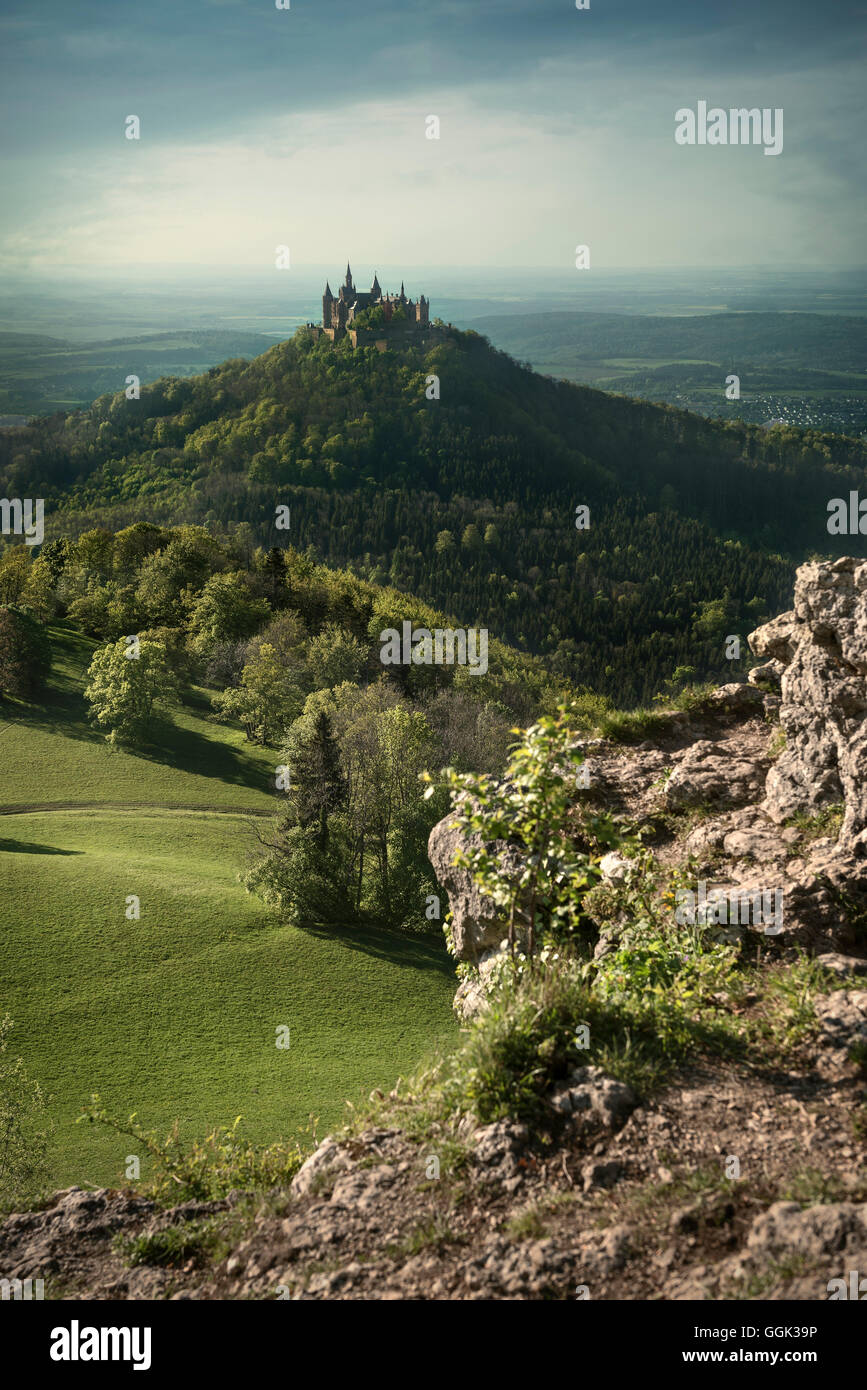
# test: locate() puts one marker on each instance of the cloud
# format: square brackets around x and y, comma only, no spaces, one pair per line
[559,144]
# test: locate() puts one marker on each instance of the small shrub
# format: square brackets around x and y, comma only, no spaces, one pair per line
[777,743]
[432,1234]
[541,887]
[209,1168]
[816,825]
[527,1225]
[24,1128]
[170,1247]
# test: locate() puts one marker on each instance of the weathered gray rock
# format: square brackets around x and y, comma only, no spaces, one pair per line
[322,1168]
[470,998]
[614,868]
[826,1229]
[364,1189]
[776,640]
[769,673]
[477,923]
[594,1100]
[709,774]
[842,966]
[827,890]
[609,940]
[843,1020]
[77,1226]
[759,842]
[738,697]
[474,990]
[73,1215]
[498,1146]
[823,644]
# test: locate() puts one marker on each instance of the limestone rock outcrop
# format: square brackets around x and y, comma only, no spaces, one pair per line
[726,790]
[710,774]
[823,647]
[477,923]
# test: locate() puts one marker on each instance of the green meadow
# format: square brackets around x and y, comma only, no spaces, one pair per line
[175,1015]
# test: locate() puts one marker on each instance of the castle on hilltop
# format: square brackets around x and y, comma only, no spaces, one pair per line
[370,316]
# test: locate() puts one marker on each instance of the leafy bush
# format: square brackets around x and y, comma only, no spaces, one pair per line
[520,1045]
[306,880]
[268,699]
[541,887]
[815,825]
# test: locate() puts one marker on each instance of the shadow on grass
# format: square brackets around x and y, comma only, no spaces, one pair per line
[63,710]
[182,748]
[194,752]
[27,847]
[427,952]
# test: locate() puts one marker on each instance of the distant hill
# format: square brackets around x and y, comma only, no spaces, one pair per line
[804,368]
[40,375]
[829,341]
[470,500]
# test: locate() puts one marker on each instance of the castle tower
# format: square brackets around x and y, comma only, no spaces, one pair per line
[340,311]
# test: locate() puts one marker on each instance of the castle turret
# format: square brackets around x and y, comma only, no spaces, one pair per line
[341,311]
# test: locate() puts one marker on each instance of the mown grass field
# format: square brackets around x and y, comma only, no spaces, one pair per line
[175,1015]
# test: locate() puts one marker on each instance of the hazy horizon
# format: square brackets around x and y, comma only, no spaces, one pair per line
[275,303]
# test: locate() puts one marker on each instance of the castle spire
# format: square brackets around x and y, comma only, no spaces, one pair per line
[348,275]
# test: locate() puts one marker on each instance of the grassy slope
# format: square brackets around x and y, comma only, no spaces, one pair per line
[51,753]
[175,1014]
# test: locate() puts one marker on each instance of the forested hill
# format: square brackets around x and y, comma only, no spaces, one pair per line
[469,499]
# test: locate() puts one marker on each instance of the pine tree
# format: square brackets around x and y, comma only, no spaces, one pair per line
[318,778]
[274,566]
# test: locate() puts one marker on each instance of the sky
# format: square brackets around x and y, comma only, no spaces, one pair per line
[306,128]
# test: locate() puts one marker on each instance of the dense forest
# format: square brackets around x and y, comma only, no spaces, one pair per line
[291,652]
[455,473]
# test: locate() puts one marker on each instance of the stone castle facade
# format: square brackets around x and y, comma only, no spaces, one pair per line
[399,316]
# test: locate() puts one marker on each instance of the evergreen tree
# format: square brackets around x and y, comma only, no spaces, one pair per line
[25,655]
[319,784]
[274,566]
